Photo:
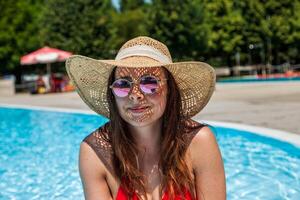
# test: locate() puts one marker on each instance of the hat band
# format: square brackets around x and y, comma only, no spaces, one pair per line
[143,50]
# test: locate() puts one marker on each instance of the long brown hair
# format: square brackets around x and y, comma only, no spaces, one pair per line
[175,172]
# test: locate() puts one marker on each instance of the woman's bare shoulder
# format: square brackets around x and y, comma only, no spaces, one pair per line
[89,162]
[95,150]
[203,136]
[204,148]
[207,164]
[93,174]
[95,158]
[99,143]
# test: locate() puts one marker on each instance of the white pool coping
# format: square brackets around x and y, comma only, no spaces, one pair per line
[45,108]
[289,137]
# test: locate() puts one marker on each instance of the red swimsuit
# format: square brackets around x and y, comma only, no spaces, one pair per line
[121,195]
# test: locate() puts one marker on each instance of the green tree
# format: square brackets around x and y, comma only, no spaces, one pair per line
[83,27]
[19,31]
[293,38]
[225,31]
[180,25]
[131,21]
[273,25]
[282,18]
[213,31]
[130,4]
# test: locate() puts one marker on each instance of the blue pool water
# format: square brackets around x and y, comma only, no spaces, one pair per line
[39,155]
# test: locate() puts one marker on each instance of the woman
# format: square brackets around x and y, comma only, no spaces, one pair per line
[150,149]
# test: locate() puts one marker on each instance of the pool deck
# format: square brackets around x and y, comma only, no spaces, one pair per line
[274,105]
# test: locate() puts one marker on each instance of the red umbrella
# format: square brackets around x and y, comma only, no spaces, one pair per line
[45,55]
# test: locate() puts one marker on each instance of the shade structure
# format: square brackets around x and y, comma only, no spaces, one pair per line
[45,55]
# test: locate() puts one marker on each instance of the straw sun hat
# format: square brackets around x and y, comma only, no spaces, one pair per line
[196,80]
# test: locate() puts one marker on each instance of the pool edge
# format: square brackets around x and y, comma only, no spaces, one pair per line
[47,108]
[289,137]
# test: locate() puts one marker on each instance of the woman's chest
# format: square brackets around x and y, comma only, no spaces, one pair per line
[153,184]
[152,188]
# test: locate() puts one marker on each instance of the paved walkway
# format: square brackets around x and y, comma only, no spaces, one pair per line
[270,105]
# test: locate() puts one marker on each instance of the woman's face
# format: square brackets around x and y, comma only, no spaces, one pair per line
[139,109]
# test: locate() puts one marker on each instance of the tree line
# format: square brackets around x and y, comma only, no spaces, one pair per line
[220,32]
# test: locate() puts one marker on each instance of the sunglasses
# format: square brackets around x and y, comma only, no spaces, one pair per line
[148,85]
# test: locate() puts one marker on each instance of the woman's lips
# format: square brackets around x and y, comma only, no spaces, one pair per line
[138,109]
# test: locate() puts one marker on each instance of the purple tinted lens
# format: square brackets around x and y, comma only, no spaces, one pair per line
[149,84]
[121,88]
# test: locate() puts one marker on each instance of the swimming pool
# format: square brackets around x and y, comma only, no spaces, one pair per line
[39,155]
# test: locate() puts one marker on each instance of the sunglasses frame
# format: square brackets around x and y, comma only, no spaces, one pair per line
[159,81]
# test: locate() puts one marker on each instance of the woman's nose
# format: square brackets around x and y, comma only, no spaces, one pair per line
[136,93]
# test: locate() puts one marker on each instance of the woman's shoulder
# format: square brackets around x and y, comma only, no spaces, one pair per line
[203,136]
[190,130]
[100,142]
[203,145]
[101,136]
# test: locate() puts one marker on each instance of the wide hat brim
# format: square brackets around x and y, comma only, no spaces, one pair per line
[195,80]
